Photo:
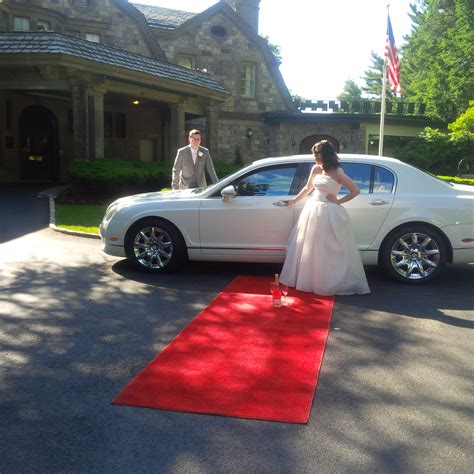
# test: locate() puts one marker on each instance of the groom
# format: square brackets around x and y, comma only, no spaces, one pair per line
[190,165]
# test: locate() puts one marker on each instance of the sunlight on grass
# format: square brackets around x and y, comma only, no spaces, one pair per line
[80,217]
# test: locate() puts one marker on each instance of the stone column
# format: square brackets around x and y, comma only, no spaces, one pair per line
[212,130]
[96,123]
[177,130]
[80,118]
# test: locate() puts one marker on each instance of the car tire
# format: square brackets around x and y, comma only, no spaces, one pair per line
[413,254]
[155,245]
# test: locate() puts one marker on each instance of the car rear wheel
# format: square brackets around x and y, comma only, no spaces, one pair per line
[156,246]
[413,254]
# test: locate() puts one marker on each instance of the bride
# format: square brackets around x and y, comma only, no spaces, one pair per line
[322,256]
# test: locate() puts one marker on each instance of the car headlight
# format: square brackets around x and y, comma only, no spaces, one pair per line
[111,210]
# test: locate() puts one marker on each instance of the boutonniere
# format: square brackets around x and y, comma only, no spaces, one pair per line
[200,153]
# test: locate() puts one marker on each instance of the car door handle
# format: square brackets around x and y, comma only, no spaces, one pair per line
[379,202]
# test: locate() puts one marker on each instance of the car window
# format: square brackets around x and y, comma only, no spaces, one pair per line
[360,174]
[383,180]
[271,181]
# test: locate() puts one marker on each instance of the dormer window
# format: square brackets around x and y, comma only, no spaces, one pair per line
[219,31]
[187,60]
[43,25]
[21,23]
[82,3]
[93,37]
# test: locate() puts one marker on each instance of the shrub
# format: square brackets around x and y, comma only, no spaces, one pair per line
[103,180]
[443,153]
[225,169]
[437,152]
[457,180]
[113,178]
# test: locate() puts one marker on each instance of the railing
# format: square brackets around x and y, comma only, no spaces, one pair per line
[366,106]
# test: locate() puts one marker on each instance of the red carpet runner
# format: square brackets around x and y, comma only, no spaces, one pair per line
[241,357]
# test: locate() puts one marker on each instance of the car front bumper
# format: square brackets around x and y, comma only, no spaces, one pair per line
[114,250]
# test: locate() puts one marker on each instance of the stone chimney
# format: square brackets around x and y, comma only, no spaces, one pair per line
[247,10]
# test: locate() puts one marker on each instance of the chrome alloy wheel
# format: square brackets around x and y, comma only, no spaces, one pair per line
[153,247]
[415,255]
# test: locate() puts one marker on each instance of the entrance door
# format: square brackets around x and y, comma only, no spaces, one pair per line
[38,144]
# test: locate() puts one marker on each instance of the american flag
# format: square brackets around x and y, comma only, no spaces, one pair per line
[391,53]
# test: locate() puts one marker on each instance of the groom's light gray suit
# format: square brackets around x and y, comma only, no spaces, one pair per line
[188,175]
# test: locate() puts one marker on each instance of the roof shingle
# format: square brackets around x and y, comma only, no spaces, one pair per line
[55,43]
[164,17]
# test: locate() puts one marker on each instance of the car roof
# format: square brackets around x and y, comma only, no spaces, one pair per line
[342,156]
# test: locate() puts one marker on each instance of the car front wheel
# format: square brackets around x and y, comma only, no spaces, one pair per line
[413,254]
[155,246]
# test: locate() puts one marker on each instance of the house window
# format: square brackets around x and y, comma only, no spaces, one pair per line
[108,126]
[43,25]
[120,125]
[21,23]
[93,37]
[82,3]
[187,60]
[8,114]
[70,122]
[147,149]
[247,80]
[3,21]
[75,33]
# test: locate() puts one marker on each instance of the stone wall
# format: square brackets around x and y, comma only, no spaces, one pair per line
[222,57]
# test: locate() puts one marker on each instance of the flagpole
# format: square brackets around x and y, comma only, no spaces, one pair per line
[382,106]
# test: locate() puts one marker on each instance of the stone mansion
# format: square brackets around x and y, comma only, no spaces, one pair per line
[88,79]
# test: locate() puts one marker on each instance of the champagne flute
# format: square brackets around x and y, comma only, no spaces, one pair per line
[284,292]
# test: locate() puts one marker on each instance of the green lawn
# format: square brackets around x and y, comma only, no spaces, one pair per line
[80,217]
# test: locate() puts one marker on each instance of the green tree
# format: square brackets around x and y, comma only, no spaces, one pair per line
[373,78]
[350,92]
[440,152]
[465,122]
[274,48]
[436,62]
[373,83]
[298,100]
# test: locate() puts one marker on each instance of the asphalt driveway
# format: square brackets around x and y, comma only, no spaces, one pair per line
[394,394]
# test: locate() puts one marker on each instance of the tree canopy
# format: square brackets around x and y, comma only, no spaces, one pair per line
[436,66]
[274,48]
[436,60]
[350,92]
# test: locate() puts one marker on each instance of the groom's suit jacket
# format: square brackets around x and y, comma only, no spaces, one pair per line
[188,175]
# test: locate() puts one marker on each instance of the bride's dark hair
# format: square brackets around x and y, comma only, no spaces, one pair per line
[328,154]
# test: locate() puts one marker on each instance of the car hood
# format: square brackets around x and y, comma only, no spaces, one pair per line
[159,195]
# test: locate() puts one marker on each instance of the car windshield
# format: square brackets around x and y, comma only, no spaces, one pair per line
[201,190]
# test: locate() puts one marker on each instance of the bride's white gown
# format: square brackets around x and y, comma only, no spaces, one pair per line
[322,255]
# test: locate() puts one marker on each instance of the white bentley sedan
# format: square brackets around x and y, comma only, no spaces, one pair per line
[404,219]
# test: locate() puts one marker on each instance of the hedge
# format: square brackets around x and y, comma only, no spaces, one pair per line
[105,179]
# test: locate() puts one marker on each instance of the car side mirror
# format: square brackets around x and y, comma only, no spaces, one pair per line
[228,193]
